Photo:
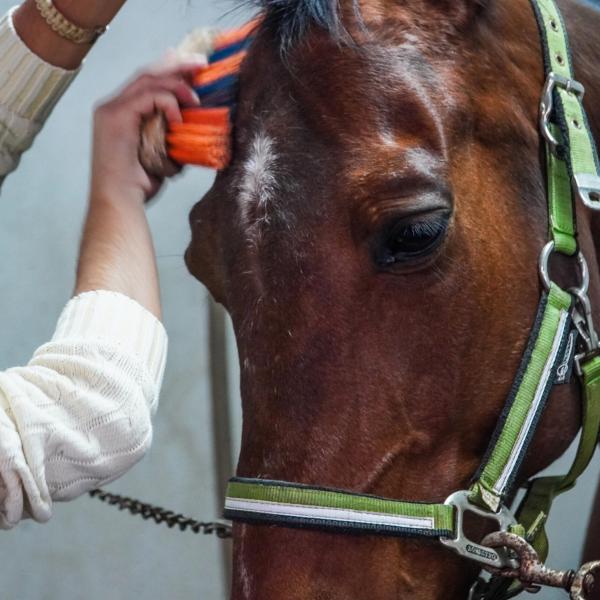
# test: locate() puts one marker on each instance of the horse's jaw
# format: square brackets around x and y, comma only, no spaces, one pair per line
[272,563]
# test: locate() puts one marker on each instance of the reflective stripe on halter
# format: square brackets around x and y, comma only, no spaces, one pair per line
[294,504]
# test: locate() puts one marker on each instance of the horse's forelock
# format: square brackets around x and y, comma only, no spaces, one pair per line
[290,19]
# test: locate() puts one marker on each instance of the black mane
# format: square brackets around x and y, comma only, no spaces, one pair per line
[290,19]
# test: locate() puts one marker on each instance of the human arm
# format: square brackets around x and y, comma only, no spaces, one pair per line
[78,415]
[116,250]
[51,47]
[36,68]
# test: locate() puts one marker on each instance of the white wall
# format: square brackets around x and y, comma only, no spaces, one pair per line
[89,550]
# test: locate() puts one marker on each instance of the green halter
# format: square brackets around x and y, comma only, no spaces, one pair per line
[563,336]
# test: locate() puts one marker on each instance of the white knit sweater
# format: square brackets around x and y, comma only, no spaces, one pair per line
[78,415]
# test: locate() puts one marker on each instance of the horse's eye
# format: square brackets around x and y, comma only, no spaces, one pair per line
[411,238]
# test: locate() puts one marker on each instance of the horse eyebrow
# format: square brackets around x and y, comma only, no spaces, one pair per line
[290,19]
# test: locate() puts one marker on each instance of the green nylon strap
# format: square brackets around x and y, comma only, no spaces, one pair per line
[524,406]
[535,507]
[569,127]
[294,504]
[561,217]
[558,60]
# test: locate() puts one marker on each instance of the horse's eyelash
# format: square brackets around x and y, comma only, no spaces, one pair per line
[428,228]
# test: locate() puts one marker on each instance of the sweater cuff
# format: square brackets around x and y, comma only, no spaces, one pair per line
[119,321]
[29,86]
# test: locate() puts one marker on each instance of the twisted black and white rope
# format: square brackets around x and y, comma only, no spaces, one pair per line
[161,515]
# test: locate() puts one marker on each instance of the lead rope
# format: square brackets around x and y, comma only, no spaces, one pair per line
[159,515]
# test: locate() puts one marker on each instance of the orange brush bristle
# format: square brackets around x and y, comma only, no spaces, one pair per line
[235,36]
[208,156]
[204,137]
[207,116]
[204,144]
[223,68]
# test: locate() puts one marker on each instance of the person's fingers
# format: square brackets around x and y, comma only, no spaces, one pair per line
[167,103]
[176,72]
[152,101]
[174,84]
[120,121]
[119,125]
[186,96]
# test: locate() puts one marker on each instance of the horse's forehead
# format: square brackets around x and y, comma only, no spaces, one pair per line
[342,104]
[325,77]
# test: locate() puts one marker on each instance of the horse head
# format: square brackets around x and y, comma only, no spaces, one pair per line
[375,241]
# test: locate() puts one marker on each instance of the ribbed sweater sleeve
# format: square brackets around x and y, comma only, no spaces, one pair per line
[79,414]
[29,90]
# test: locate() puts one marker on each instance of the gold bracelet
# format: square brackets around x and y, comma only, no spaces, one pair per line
[65,28]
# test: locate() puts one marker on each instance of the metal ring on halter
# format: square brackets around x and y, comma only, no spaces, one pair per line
[545,273]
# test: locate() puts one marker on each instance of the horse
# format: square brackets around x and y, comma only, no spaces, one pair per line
[375,241]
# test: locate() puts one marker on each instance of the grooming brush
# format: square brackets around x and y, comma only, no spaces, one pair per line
[204,136]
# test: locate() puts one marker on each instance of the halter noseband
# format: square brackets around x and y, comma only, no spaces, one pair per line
[562,339]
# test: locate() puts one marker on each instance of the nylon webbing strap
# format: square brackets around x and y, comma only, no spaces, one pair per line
[282,503]
[567,124]
[560,205]
[541,492]
[526,400]
[535,507]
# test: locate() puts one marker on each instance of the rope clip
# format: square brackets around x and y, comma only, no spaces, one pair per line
[532,573]
[583,321]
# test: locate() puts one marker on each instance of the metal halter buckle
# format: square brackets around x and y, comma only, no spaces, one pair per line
[553,81]
[493,557]
[587,189]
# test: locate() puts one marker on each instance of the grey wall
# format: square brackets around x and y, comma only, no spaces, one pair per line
[89,550]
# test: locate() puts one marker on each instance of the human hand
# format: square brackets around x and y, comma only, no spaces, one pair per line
[116,170]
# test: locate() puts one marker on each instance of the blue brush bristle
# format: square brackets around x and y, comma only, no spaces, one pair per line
[220,93]
[230,50]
